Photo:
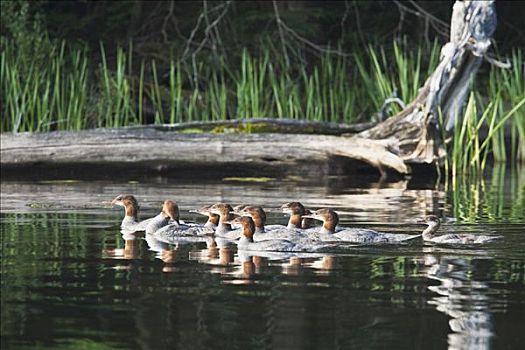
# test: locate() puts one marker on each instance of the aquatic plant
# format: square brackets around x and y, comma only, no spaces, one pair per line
[68,93]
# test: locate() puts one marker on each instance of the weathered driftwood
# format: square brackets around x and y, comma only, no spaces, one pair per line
[170,149]
[412,136]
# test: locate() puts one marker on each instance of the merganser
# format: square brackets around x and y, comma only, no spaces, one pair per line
[433,223]
[258,216]
[224,228]
[262,232]
[130,222]
[296,211]
[246,242]
[330,220]
[175,232]
[163,218]
[213,219]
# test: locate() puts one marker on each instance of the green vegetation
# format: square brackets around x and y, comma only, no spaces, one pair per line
[50,84]
[480,195]
[70,94]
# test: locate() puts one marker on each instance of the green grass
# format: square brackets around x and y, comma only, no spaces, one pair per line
[484,194]
[72,91]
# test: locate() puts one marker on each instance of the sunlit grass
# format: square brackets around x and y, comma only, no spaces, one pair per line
[479,195]
[70,92]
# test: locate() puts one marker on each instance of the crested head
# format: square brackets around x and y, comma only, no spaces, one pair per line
[223,210]
[240,207]
[247,224]
[257,214]
[432,219]
[296,211]
[127,201]
[171,209]
[124,200]
[433,223]
[328,216]
[324,214]
[293,208]
[205,210]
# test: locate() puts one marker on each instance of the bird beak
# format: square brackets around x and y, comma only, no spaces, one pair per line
[420,221]
[117,202]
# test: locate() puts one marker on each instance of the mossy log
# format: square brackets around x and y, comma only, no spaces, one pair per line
[167,149]
[412,136]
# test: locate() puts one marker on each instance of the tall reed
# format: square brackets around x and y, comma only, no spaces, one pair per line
[68,93]
[43,97]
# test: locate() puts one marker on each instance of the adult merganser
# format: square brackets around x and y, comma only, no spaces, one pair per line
[330,220]
[262,232]
[433,223]
[213,219]
[130,222]
[246,241]
[175,232]
[163,218]
[224,228]
[296,211]
[257,214]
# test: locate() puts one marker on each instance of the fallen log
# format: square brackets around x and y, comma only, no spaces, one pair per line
[157,149]
[413,136]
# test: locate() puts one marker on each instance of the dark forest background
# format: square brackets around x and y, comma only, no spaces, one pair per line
[162,29]
[83,64]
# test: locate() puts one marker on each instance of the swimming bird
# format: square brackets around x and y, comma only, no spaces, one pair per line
[246,242]
[224,228]
[172,231]
[130,222]
[296,211]
[213,219]
[433,223]
[330,220]
[265,232]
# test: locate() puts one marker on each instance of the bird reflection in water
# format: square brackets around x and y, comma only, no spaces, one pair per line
[294,266]
[465,300]
[325,265]
[168,257]
[130,250]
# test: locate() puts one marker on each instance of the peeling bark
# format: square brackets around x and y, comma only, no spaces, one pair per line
[414,134]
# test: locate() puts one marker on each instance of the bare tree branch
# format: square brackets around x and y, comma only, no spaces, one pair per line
[281,34]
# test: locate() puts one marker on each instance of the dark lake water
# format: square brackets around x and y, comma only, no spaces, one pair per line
[70,280]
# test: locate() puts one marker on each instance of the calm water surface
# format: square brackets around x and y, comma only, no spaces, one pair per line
[70,280]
